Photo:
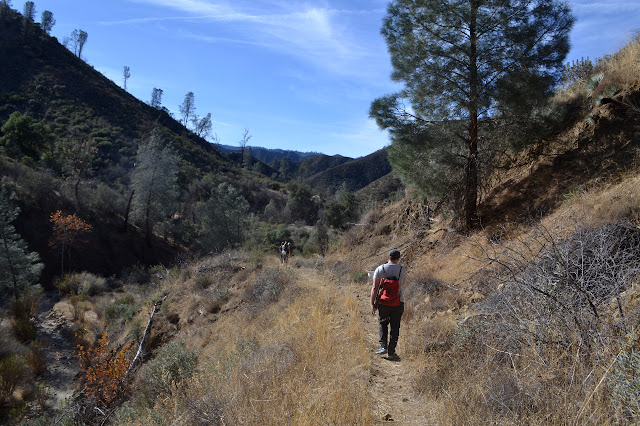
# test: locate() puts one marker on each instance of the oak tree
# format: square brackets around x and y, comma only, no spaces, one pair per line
[77,156]
[225,219]
[22,137]
[68,232]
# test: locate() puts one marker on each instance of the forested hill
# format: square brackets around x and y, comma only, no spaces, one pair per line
[356,174]
[41,78]
[69,142]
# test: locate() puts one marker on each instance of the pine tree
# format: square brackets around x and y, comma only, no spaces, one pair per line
[225,219]
[202,126]
[156,98]
[47,21]
[19,268]
[188,108]
[5,9]
[462,61]
[29,14]
[78,40]
[154,182]
[126,73]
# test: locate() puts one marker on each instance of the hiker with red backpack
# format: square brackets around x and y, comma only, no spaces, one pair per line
[387,299]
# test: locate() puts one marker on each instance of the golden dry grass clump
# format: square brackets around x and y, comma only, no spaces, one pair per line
[299,358]
[609,75]
[622,69]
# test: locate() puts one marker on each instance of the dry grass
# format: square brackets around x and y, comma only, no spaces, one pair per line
[478,371]
[622,69]
[301,360]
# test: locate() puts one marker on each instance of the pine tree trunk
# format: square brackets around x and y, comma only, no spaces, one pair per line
[126,213]
[471,178]
[471,168]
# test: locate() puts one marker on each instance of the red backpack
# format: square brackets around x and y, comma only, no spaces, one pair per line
[389,290]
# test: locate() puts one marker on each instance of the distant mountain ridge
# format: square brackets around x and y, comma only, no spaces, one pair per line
[268,155]
[43,79]
[354,174]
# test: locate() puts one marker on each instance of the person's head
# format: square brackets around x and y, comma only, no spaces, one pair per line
[394,255]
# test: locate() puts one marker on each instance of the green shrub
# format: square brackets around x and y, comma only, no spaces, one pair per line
[12,371]
[136,274]
[310,247]
[203,281]
[360,276]
[268,286]
[173,363]
[83,283]
[23,321]
[36,358]
[625,386]
[123,307]
[24,329]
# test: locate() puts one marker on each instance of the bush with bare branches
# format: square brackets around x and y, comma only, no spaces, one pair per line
[545,342]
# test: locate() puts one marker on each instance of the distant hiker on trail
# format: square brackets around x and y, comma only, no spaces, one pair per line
[389,278]
[283,252]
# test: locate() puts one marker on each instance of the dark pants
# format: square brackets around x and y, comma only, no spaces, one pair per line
[389,316]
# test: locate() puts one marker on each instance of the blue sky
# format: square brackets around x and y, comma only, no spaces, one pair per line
[297,74]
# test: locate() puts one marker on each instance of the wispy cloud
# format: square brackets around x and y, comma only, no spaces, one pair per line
[319,35]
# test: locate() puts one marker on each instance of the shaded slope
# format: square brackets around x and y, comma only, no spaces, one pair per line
[355,174]
[588,152]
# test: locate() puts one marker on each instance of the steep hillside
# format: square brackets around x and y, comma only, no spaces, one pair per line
[88,157]
[40,77]
[602,143]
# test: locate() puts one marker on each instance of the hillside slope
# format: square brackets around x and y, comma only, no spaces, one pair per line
[355,174]
[90,116]
[599,145]
[40,77]
[299,339]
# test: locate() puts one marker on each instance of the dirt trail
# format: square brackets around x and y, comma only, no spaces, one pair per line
[393,398]
[392,381]
[62,364]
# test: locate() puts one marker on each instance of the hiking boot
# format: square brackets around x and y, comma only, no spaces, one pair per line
[381,350]
[392,357]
